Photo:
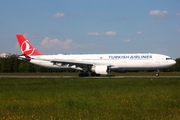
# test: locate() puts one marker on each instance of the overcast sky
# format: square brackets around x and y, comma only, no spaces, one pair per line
[92,26]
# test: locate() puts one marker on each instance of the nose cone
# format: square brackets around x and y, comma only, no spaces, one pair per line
[169,63]
[173,62]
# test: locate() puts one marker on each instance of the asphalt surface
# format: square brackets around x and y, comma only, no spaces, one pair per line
[89,77]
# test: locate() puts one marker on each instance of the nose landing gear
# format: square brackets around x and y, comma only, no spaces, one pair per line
[157,73]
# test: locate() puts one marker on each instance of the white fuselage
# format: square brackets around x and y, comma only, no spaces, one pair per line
[115,61]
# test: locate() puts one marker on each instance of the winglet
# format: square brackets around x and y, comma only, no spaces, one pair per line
[26,47]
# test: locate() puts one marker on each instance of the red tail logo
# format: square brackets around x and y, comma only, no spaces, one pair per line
[26,48]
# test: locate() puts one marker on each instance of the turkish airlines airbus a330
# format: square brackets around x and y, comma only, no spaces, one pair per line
[95,64]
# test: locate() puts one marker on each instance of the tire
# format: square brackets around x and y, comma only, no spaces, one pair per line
[157,74]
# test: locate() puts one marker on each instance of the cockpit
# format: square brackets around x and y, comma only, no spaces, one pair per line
[168,58]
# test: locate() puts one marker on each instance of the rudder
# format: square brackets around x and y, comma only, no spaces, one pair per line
[26,47]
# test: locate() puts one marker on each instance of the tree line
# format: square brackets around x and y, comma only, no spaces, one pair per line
[13,64]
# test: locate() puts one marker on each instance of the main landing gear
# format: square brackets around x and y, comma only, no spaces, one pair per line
[83,74]
[86,74]
[94,74]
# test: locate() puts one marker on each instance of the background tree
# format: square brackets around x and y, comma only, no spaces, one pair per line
[13,64]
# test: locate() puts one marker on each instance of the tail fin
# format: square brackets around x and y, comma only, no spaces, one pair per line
[26,48]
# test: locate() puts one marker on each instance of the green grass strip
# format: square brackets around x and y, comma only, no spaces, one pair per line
[93,99]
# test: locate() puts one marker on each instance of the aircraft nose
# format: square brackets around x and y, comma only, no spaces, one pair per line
[173,62]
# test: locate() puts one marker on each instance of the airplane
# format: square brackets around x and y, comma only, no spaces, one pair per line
[93,64]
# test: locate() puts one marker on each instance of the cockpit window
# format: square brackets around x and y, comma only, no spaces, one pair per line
[168,58]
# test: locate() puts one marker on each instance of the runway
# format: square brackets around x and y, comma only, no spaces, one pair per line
[88,77]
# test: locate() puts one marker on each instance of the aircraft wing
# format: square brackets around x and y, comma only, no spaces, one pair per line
[72,62]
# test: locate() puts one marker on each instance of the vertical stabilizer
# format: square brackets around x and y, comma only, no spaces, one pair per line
[26,47]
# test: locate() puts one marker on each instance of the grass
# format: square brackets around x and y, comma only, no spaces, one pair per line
[94,99]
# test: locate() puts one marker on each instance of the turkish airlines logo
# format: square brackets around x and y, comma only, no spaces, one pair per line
[27,48]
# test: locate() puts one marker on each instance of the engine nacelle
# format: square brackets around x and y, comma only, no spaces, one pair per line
[101,69]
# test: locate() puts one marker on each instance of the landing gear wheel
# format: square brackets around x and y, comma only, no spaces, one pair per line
[93,74]
[86,74]
[83,74]
[98,75]
[157,73]
[80,74]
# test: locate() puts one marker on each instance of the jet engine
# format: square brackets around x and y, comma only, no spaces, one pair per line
[101,69]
